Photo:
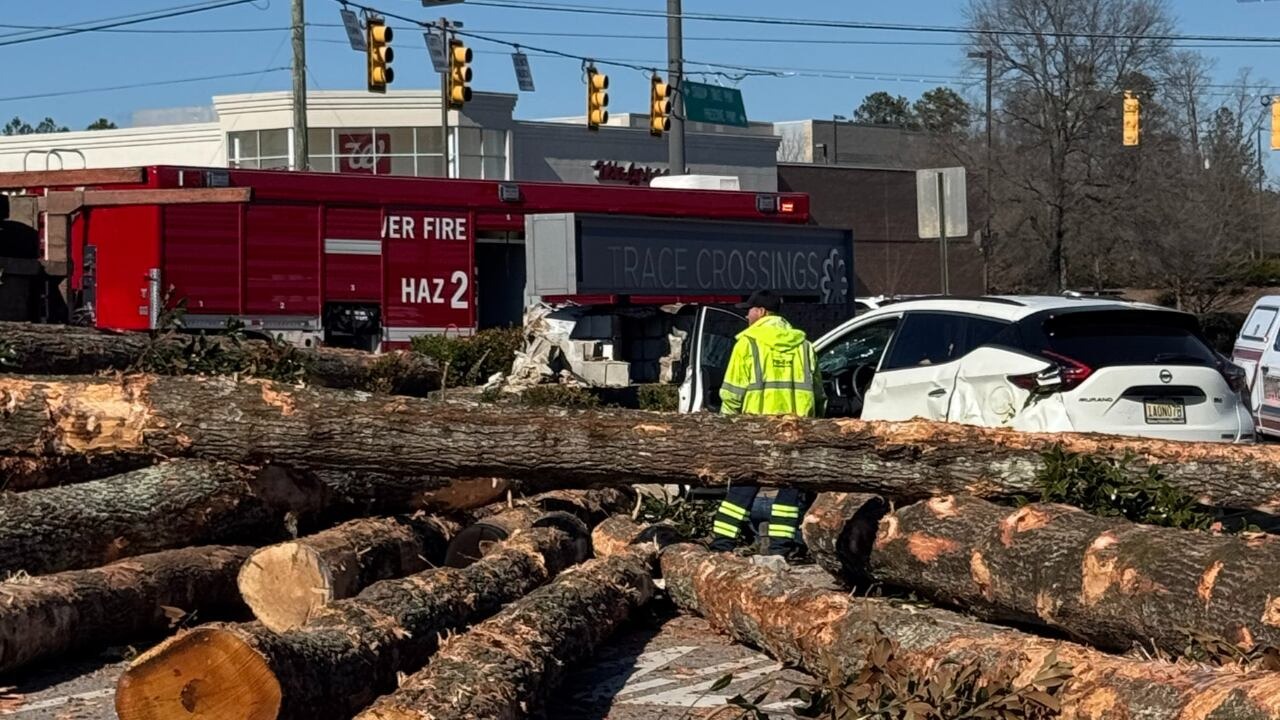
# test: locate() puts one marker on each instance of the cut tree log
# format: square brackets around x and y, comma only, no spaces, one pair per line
[839,530]
[285,584]
[33,473]
[43,617]
[1105,581]
[68,350]
[830,633]
[358,493]
[509,665]
[176,504]
[314,428]
[346,656]
[577,510]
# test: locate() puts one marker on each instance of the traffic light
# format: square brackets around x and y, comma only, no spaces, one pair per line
[597,98]
[1275,123]
[459,74]
[659,106]
[378,48]
[1132,126]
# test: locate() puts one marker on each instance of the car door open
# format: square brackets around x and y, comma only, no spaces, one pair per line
[714,333]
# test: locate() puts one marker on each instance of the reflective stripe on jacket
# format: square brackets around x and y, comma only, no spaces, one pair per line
[773,371]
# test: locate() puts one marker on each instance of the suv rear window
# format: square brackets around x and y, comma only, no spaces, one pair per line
[1102,339]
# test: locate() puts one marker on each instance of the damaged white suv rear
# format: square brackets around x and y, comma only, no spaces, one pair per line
[1045,364]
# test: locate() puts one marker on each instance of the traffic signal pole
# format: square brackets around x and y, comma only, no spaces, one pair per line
[301,156]
[675,72]
[444,97]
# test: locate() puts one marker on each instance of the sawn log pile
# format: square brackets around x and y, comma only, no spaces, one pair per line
[294,551]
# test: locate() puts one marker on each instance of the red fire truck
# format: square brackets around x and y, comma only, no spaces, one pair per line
[373,261]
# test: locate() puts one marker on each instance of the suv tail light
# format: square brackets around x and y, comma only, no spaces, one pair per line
[1235,376]
[1065,374]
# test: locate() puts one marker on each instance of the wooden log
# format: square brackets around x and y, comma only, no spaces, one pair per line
[69,350]
[313,428]
[509,666]
[839,530]
[284,584]
[1105,581]
[19,473]
[46,616]
[346,656]
[829,633]
[176,504]
[576,511]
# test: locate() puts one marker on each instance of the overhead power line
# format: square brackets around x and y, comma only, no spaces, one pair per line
[100,26]
[726,70]
[156,31]
[157,83]
[113,18]
[857,25]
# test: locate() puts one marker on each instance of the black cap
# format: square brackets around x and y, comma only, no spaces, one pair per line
[762,299]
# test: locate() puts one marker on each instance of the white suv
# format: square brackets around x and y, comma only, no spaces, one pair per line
[1045,364]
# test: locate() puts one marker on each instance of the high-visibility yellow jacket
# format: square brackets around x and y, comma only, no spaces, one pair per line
[773,371]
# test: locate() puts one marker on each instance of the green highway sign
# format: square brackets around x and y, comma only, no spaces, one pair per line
[713,104]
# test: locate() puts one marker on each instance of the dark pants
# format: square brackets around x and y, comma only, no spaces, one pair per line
[734,516]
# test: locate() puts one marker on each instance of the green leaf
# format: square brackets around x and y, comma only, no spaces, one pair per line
[722,682]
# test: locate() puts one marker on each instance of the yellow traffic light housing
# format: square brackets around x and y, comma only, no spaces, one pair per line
[1275,123]
[659,106]
[378,44]
[1132,119]
[597,99]
[459,74]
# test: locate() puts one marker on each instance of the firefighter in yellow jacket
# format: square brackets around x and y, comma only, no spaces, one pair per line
[773,371]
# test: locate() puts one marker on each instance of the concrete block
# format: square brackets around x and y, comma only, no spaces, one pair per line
[606,373]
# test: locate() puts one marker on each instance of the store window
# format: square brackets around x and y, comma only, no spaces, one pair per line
[482,153]
[266,149]
[408,151]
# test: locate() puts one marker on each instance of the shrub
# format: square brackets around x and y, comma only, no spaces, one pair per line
[1221,328]
[660,397]
[554,395]
[468,361]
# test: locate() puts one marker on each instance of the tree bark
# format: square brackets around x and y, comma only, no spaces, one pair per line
[508,666]
[318,429]
[285,584]
[136,599]
[346,656]
[1108,582]
[19,473]
[829,633]
[180,503]
[69,350]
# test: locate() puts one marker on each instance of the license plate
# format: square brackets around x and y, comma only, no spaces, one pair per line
[1271,388]
[1165,412]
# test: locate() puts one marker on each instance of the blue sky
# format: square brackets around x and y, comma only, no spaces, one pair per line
[93,60]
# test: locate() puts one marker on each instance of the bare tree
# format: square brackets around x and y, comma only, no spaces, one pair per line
[1060,70]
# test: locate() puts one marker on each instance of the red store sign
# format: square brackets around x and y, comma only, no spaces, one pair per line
[611,171]
[363,154]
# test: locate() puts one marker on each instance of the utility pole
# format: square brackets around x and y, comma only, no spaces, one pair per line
[675,69]
[835,138]
[444,97]
[1262,174]
[301,156]
[986,224]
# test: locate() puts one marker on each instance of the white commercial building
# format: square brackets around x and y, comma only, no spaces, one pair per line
[399,133]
